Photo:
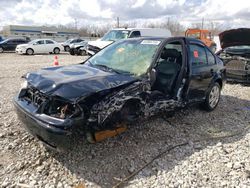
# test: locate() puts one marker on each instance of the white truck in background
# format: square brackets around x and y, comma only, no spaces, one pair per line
[122,33]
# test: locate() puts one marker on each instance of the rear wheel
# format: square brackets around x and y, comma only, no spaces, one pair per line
[1,50]
[82,52]
[212,97]
[56,50]
[29,51]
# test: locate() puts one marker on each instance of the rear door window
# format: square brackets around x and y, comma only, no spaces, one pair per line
[49,42]
[210,57]
[21,41]
[198,55]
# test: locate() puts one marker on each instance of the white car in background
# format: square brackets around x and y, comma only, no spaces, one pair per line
[39,46]
[123,33]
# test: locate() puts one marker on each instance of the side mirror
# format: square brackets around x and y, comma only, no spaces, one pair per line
[152,75]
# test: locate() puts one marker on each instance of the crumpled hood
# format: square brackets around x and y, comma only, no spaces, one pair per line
[72,82]
[235,37]
[100,44]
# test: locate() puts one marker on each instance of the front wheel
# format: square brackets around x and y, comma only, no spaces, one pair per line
[212,97]
[71,52]
[67,48]
[29,51]
[82,52]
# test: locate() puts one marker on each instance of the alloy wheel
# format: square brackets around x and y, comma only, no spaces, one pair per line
[214,96]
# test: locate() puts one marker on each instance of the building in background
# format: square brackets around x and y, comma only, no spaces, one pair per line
[35,32]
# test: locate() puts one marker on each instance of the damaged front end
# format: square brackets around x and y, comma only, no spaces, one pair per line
[235,54]
[50,119]
[237,65]
[53,110]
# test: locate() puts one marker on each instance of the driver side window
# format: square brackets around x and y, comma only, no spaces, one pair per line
[39,42]
[135,34]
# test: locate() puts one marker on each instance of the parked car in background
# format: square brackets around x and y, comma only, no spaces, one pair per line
[10,44]
[67,43]
[129,80]
[123,33]
[75,48]
[235,53]
[39,46]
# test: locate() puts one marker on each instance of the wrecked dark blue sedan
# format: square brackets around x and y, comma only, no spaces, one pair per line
[127,81]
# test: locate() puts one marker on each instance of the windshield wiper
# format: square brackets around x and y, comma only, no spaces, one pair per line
[111,69]
[103,66]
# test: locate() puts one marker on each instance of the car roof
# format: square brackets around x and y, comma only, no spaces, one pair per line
[134,28]
[43,39]
[14,39]
[189,40]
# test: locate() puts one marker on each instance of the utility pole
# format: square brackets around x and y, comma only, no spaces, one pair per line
[117,20]
[76,23]
[202,23]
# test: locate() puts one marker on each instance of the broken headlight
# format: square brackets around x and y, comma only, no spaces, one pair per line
[61,109]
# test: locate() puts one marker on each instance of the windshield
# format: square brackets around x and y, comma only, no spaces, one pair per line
[33,41]
[127,56]
[115,35]
[68,41]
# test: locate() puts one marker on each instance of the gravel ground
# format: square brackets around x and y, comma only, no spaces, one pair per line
[224,162]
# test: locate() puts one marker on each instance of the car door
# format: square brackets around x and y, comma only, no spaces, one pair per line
[13,44]
[39,46]
[10,45]
[49,45]
[201,71]
[19,41]
[169,67]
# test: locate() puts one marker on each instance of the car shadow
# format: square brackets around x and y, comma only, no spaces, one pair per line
[106,163]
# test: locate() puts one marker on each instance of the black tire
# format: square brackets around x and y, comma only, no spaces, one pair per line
[67,48]
[1,50]
[71,51]
[56,50]
[212,97]
[82,52]
[77,52]
[29,51]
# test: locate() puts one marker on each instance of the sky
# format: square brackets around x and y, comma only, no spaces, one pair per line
[233,13]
